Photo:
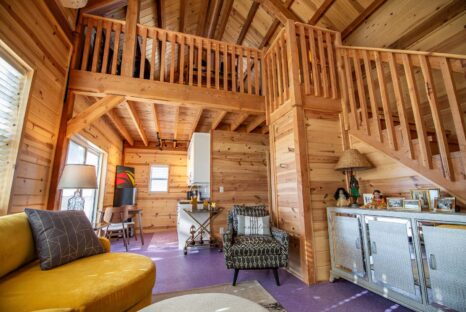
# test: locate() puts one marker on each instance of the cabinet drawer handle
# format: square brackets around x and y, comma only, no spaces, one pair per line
[358,243]
[283,166]
[432,262]
[374,248]
[291,149]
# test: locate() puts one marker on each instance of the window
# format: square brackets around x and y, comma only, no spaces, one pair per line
[15,81]
[158,178]
[83,152]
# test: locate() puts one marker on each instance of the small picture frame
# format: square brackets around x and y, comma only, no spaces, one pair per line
[412,204]
[395,202]
[433,194]
[367,198]
[422,195]
[446,204]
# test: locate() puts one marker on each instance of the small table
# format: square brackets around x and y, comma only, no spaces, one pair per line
[208,302]
[201,228]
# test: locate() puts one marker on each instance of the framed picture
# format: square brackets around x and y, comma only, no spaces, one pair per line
[433,194]
[412,204]
[422,195]
[367,198]
[447,204]
[395,202]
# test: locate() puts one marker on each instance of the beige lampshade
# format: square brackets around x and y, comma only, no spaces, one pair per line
[352,159]
[74,4]
[78,176]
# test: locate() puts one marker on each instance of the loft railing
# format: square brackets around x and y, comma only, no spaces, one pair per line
[168,56]
[406,97]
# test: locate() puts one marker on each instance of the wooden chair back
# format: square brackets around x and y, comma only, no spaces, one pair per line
[116,214]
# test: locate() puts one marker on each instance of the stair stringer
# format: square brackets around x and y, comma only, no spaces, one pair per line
[455,188]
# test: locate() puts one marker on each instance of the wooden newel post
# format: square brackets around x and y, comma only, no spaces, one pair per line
[129,45]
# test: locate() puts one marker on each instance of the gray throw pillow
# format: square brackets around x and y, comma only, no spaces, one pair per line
[62,236]
[249,225]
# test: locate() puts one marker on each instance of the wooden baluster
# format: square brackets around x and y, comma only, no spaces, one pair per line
[191,60]
[315,72]
[182,58]
[351,97]
[304,59]
[323,63]
[142,64]
[225,67]
[424,145]
[78,44]
[438,123]
[256,73]
[162,53]
[372,98]
[268,68]
[199,62]
[209,64]
[455,105]
[217,66]
[87,44]
[108,32]
[385,104]
[248,56]
[116,44]
[234,69]
[279,76]
[361,91]
[274,80]
[331,65]
[284,61]
[405,129]
[344,89]
[97,42]
[153,36]
[172,57]
[241,70]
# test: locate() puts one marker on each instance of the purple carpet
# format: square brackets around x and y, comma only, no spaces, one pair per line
[206,267]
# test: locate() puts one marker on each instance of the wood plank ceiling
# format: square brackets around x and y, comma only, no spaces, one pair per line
[402,24]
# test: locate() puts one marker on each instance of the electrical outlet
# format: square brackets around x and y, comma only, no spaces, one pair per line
[221,189]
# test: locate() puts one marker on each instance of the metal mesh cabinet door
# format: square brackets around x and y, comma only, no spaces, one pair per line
[446,255]
[391,258]
[348,250]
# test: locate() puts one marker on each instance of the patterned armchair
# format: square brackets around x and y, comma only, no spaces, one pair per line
[251,252]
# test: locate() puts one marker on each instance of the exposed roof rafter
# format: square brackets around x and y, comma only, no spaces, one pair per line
[137,122]
[362,17]
[247,22]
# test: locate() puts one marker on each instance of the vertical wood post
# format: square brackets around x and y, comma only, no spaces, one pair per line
[129,46]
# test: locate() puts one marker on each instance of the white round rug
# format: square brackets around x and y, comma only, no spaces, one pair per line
[208,302]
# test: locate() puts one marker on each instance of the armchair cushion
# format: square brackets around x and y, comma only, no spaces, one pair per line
[281,236]
[256,245]
[252,211]
[248,225]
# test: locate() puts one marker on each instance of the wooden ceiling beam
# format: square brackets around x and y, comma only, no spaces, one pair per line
[103,6]
[181,22]
[442,16]
[218,119]
[273,27]
[265,129]
[116,121]
[137,122]
[362,17]
[177,117]
[238,121]
[255,123]
[196,122]
[155,116]
[92,113]
[202,17]
[276,9]
[227,6]
[320,12]
[247,23]
[214,18]
[159,7]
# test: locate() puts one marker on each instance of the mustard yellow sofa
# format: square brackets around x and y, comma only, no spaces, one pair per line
[105,282]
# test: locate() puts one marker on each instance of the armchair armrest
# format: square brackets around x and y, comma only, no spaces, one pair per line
[227,240]
[105,243]
[280,235]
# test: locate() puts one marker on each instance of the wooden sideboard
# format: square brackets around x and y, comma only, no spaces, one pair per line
[417,259]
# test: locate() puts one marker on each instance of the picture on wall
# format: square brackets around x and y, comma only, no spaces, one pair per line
[422,195]
[433,194]
[412,204]
[395,202]
[447,204]
[124,177]
[367,198]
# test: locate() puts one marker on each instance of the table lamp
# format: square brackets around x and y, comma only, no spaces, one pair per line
[352,160]
[78,177]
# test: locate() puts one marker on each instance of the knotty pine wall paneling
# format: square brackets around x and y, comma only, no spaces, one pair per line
[239,164]
[159,209]
[29,29]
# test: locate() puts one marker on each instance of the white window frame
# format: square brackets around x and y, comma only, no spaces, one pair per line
[151,178]
[10,174]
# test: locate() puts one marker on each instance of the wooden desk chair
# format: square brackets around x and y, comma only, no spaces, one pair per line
[116,217]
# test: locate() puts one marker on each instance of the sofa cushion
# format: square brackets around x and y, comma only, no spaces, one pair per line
[16,243]
[255,245]
[62,236]
[105,282]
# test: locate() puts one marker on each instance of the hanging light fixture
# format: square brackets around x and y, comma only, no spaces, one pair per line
[74,4]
